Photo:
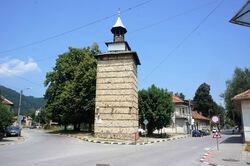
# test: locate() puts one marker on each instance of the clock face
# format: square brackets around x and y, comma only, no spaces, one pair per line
[215,119]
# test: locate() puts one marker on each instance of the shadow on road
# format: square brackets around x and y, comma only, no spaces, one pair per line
[236,139]
[6,140]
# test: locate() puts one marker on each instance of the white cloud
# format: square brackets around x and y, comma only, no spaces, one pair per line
[17,67]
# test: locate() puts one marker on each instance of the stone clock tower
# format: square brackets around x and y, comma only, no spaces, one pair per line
[116,108]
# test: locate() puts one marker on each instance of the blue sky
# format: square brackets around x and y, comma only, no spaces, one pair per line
[209,55]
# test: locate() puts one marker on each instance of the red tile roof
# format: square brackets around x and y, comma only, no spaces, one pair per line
[6,101]
[176,99]
[243,96]
[199,116]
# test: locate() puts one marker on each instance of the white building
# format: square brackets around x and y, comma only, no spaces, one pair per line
[242,102]
[200,122]
[181,118]
[38,111]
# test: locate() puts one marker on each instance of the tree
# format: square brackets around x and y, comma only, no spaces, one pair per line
[42,117]
[239,83]
[156,106]
[71,85]
[202,101]
[6,117]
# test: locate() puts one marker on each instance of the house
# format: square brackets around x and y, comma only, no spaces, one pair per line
[242,103]
[200,122]
[181,118]
[27,121]
[6,102]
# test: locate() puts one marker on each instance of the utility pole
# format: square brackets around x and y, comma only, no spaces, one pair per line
[190,116]
[19,109]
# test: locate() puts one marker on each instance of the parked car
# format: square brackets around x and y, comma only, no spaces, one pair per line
[32,127]
[38,126]
[214,130]
[196,133]
[13,131]
[141,131]
[205,132]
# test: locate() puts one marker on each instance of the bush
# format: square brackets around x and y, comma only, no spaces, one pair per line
[46,127]
[205,132]
[1,135]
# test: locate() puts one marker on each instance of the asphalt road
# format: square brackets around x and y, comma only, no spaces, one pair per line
[43,149]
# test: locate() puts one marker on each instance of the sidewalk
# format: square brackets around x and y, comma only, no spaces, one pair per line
[14,140]
[231,153]
[141,141]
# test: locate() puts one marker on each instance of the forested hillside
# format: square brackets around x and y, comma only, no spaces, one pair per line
[29,103]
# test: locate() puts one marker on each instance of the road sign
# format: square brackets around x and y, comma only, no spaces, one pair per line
[217,135]
[215,119]
[145,122]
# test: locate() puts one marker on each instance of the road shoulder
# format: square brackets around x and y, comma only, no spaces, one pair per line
[14,140]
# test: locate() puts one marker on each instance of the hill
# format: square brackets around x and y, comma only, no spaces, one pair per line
[29,103]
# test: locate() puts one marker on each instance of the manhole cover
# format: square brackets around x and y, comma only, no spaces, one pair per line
[231,160]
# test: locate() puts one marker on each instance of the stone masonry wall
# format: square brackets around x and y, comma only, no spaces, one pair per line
[116,113]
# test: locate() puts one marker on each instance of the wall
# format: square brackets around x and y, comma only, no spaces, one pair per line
[116,114]
[202,124]
[245,107]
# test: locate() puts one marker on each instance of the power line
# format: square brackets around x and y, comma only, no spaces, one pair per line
[173,17]
[67,32]
[75,29]
[183,40]
[148,26]
[155,23]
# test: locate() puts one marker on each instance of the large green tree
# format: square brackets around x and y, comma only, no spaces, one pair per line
[71,85]
[239,83]
[155,105]
[202,101]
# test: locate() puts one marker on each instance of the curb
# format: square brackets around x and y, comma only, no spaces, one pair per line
[204,159]
[122,143]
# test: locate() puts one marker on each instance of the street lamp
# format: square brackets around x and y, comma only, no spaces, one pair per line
[19,106]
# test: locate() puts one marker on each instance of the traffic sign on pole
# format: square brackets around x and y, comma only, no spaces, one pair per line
[217,136]
[145,122]
[215,119]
